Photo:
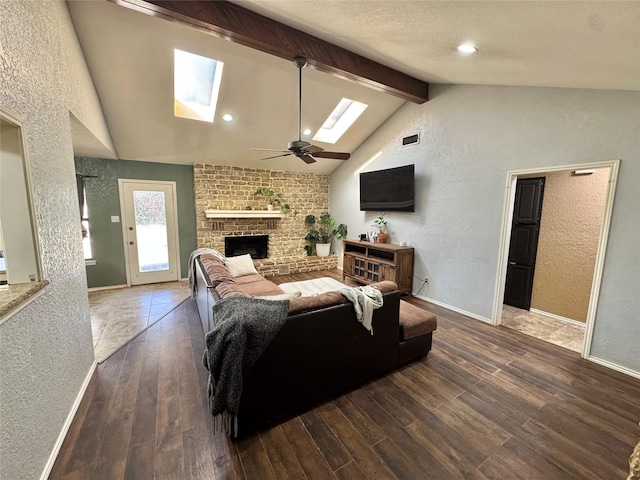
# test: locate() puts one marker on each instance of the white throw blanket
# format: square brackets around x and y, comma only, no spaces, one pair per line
[365,300]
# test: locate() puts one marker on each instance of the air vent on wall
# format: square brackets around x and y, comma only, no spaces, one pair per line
[411,140]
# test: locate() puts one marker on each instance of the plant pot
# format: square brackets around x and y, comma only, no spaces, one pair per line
[383,237]
[323,249]
[269,207]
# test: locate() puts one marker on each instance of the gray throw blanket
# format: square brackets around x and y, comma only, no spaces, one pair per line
[244,328]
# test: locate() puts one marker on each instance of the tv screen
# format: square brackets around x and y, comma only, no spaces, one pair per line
[388,190]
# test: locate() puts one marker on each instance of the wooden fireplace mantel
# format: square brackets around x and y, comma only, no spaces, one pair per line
[212,213]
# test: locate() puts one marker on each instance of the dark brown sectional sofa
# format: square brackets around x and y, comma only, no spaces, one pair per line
[321,351]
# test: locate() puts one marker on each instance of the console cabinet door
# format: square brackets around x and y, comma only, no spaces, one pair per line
[347,264]
[388,273]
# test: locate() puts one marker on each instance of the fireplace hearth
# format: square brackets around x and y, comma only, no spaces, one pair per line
[255,245]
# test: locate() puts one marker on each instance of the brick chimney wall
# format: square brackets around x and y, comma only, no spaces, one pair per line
[231,188]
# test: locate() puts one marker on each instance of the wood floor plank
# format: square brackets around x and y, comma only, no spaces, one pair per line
[255,460]
[313,463]
[350,471]
[169,449]
[367,429]
[367,459]
[396,461]
[284,462]
[332,449]
[453,460]
[197,455]
[141,461]
[424,460]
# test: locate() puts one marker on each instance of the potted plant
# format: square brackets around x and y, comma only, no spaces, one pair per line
[381,223]
[273,198]
[321,233]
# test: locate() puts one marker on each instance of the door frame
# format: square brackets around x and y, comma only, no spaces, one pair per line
[507,216]
[174,205]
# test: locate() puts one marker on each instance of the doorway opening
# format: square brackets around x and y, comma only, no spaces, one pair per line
[550,270]
[149,228]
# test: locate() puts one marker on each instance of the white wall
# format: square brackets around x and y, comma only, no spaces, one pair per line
[46,349]
[470,137]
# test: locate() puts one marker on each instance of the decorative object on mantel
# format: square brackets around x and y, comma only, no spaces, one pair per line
[273,198]
[381,224]
[320,238]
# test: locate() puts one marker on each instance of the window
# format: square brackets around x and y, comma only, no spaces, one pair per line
[86,230]
[196,86]
[346,112]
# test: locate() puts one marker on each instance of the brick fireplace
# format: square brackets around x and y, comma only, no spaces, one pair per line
[231,188]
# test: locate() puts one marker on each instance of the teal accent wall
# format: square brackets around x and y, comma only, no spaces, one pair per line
[103,201]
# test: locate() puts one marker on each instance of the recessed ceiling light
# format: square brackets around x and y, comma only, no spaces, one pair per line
[467,48]
[227,118]
[306,131]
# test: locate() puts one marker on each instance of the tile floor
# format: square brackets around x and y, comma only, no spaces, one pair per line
[544,328]
[120,314]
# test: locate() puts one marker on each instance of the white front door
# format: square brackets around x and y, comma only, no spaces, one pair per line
[149,220]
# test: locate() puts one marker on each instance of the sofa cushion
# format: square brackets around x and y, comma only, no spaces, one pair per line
[281,296]
[415,321]
[328,299]
[229,289]
[265,287]
[216,271]
[385,286]
[249,279]
[241,265]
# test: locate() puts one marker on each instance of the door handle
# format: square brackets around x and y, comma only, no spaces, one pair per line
[130,243]
[510,263]
[130,228]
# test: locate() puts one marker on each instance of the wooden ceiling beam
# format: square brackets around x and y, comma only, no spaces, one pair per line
[238,24]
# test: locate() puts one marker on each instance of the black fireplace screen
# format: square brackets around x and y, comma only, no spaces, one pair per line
[255,245]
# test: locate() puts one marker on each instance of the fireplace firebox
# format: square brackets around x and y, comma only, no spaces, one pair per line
[255,245]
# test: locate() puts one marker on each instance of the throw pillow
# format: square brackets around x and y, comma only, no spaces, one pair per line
[281,296]
[241,265]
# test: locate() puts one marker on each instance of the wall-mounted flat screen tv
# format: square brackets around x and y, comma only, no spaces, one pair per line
[388,190]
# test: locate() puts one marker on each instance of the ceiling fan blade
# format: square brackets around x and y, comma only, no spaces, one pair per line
[334,155]
[277,156]
[307,158]
[313,149]
[269,150]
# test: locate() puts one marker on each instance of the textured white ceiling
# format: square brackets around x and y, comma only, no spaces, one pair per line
[549,44]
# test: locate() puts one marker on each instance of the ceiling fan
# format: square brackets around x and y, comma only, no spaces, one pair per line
[300,148]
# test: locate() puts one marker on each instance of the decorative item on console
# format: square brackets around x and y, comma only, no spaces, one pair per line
[381,224]
[320,238]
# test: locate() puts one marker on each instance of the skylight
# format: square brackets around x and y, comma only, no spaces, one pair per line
[196,86]
[346,112]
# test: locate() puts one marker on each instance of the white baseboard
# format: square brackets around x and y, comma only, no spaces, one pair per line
[558,317]
[614,366]
[108,287]
[67,424]
[455,309]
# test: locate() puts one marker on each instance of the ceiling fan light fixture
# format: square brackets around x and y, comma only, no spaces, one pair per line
[467,48]
[306,131]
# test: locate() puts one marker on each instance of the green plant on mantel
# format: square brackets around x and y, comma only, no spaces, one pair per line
[275,199]
[324,232]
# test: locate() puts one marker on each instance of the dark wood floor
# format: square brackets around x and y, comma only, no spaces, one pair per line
[487,402]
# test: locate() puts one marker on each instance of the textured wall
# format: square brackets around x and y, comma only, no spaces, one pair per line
[230,188]
[103,200]
[46,349]
[572,215]
[471,136]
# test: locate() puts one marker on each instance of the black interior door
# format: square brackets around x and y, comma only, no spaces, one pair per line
[524,242]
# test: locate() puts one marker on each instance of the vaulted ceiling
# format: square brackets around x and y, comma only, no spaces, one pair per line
[130,57]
